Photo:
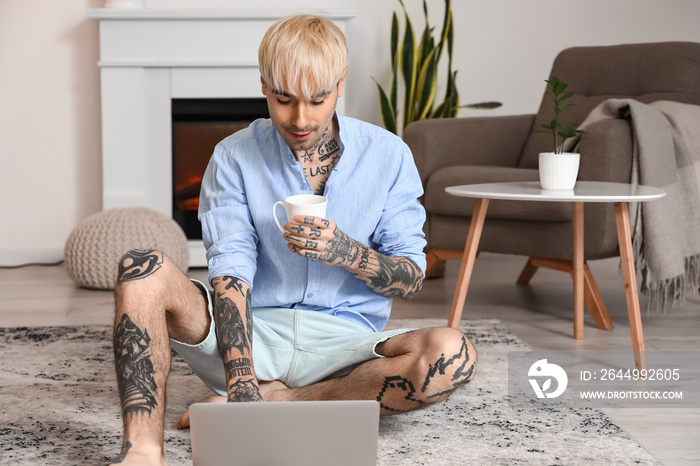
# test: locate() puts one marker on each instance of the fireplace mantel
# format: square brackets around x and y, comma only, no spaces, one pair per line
[213,13]
[149,57]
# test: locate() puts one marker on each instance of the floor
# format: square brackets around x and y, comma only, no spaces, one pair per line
[538,313]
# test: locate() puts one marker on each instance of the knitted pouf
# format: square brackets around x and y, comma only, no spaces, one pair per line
[94,247]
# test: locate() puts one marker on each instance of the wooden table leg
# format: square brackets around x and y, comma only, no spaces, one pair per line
[577,271]
[591,295]
[527,273]
[594,301]
[465,270]
[624,239]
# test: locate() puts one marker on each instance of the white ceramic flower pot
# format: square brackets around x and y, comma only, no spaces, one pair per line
[558,171]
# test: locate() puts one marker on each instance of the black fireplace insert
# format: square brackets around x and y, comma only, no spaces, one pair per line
[197,126]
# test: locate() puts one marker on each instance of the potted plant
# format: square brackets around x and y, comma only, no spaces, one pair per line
[558,169]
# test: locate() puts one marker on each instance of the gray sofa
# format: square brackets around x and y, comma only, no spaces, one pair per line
[505,148]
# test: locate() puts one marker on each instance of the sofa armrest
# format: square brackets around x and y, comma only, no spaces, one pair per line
[439,143]
[606,151]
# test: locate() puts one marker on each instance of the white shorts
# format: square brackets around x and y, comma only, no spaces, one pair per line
[294,346]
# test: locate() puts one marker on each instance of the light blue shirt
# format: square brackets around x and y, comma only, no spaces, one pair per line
[372,196]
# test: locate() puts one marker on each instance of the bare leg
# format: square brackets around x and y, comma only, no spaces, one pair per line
[154,300]
[420,368]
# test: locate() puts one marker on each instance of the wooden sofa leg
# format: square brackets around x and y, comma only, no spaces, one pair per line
[527,273]
[436,266]
[436,260]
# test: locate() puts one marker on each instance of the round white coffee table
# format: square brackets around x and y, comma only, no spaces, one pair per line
[584,191]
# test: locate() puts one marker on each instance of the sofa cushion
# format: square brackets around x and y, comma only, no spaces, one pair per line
[437,201]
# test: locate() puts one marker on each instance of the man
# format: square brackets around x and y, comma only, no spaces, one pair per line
[297,316]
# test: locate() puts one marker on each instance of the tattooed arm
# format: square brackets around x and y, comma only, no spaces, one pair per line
[322,240]
[234,331]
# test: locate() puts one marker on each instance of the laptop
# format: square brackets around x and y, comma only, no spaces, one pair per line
[294,433]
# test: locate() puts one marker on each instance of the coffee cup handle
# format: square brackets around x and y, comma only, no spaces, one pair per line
[274,214]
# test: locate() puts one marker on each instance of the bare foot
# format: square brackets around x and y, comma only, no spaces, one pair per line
[270,391]
[184,420]
[273,390]
[140,455]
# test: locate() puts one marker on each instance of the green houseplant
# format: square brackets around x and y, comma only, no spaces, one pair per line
[558,95]
[558,169]
[418,64]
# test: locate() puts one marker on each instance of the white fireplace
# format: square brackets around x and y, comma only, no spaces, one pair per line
[149,57]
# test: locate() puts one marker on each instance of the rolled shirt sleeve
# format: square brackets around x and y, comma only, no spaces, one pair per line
[227,225]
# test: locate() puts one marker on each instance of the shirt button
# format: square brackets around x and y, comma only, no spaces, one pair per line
[310,295]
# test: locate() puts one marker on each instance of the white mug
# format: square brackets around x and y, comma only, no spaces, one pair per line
[302,204]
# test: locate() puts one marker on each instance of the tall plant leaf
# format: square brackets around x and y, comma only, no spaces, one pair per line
[427,86]
[417,59]
[445,27]
[450,40]
[408,69]
[394,60]
[388,111]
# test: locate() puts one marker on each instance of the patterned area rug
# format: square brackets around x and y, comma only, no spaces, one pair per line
[59,406]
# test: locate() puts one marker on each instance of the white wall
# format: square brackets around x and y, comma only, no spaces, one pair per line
[50,168]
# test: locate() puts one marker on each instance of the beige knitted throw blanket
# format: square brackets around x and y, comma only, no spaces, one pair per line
[665,232]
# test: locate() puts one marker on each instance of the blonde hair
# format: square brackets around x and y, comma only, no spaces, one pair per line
[303,53]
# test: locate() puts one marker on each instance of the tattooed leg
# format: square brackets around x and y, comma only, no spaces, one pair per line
[154,300]
[135,371]
[420,368]
[138,264]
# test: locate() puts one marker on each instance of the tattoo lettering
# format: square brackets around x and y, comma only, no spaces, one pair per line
[311,244]
[238,367]
[244,390]
[327,133]
[328,149]
[298,229]
[395,387]
[139,263]
[460,376]
[314,232]
[135,371]
[319,171]
[364,258]
[309,220]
